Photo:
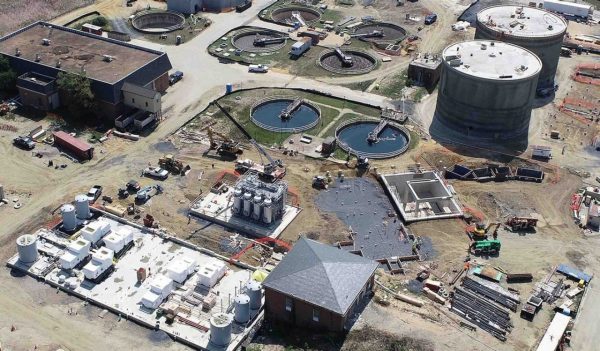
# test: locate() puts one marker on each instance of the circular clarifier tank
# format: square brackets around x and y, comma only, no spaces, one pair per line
[158,21]
[289,115]
[358,137]
[381,32]
[259,40]
[285,15]
[362,62]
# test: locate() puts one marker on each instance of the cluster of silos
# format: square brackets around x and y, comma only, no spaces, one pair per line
[486,91]
[536,30]
[221,323]
[259,201]
[27,248]
[71,215]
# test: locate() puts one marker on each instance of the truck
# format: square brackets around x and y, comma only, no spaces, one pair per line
[300,47]
[486,247]
[541,152]
[258,68]
[569,8]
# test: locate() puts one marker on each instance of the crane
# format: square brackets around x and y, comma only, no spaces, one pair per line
[270,170]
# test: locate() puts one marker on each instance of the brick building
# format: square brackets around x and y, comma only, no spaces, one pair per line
[318,286]
[41,50]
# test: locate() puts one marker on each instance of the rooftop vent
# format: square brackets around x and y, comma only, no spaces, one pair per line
[58,64]
[17,52]
[455,63]
[491,43]
[550,27]
[46,42]
[492,54]
[107,58]
[483,47]
[37,58]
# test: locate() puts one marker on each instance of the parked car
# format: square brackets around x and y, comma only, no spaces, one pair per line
[156,172]
[24,142]
[133,185]
[430,19]
[175,77]
[94,193]
[258,68]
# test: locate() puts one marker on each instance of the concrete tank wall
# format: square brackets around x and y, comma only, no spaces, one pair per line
[485,108]
[544,45]
[27,248]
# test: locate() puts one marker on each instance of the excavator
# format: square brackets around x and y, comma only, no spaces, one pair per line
[173,165]
[268,171]
[480,230]
[227,147]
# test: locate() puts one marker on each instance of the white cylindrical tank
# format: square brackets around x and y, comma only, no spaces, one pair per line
[267,211]
[242,308]
[82,207]
[531,28]
[68,216]
[220,329]
[254,291]
[247,204]
[27,248]
[237,200]
[257,205]
[486,92]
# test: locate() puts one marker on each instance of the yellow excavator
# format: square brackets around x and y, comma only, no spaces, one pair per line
[173,165]
[227,147]
[479,231]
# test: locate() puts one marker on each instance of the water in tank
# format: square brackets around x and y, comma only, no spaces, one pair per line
[237,200]
[254,291]
[257,205]
[242,308]
[82,207]
[27,248]
[247,204]
[220,329]
[68,217]
[267,211]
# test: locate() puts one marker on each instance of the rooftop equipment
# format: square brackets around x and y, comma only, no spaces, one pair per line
[27,248]
[220,329]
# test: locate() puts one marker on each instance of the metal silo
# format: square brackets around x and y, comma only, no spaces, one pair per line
[237,200]
[534,29]
[486,91]
[257,207]
[247,204]
[82,207]
[220,329]
[68,216]
[242,308]
[27,248]
[267,211]
[254,291]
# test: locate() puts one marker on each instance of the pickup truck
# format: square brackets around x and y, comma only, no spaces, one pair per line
[24,142]
[94,193]
[156,173]
[430,19]
[258,68]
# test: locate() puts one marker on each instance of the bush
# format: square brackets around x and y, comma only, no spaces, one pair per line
[8,77]
[100,21]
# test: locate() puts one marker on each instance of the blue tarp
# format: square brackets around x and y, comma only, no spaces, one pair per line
[574,273]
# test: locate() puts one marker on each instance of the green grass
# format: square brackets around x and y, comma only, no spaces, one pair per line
[392,88]
[88,19]
[419,94]
[361,86]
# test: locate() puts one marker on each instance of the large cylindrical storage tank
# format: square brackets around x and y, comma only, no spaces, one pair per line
[68,216]
[536,30]
[254,291]
[237,200]
[82,207]
[486,92]
[257,205]
[242,308]
[247,204]
[220,329]
[267,211]
[27,248]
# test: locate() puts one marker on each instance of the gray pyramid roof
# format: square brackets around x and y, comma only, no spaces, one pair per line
[321,274]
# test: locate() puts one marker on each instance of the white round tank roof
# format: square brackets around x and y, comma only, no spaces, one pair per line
[493,60]
[220,319]
[81,198]
[530,22]
[67,208]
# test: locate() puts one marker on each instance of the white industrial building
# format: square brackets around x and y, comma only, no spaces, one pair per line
[101,261]
[534,29]
[160,288]
[210,274]
[96,230]
[118,239]
[75,253]
[181,268]
[486,91]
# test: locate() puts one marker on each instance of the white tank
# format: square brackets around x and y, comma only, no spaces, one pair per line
[267,211]
[27,248]
[82,207]
[257,205]
[237,200]
[220,329]
[254,291]
[247,204]
[68,217]
[242,308]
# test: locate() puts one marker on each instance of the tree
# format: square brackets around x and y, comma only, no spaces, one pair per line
[100,21]
[8,77]
[78,92]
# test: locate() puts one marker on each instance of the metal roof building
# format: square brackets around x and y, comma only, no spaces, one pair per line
[317,285]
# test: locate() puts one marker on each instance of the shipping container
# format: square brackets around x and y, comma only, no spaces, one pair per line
[74,146]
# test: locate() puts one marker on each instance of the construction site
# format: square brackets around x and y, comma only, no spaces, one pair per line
[293,175]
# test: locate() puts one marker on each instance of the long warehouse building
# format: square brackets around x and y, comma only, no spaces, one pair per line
[486,92]
[536,30]
[40,51]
